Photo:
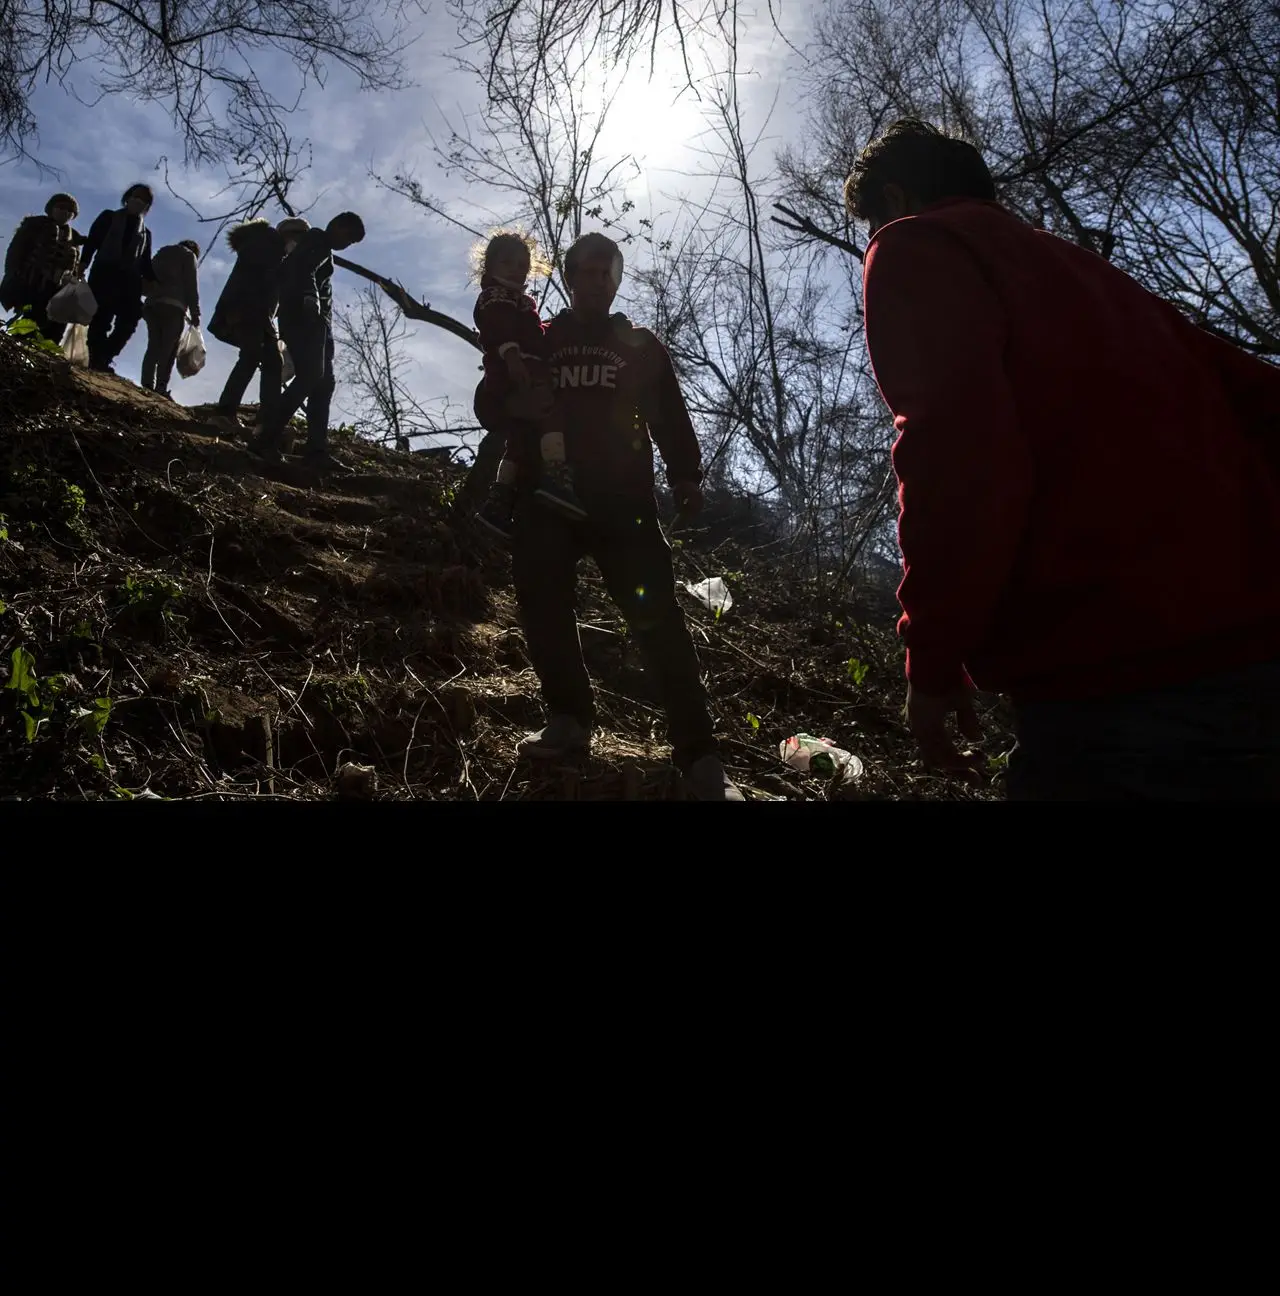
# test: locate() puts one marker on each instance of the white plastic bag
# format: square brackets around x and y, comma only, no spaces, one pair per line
[713,594]
[807,753]
[191,353]
[75,344]
[286,365]
[73,303]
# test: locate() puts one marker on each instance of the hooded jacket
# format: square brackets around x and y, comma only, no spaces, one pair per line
[1089,484]
[251,294]
[175,280]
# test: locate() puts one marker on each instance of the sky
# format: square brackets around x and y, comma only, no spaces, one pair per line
[99,150]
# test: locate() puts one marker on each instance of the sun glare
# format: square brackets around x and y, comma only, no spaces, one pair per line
[649,118]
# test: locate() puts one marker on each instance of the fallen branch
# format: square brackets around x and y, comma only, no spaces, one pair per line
[804,225]
[413,309]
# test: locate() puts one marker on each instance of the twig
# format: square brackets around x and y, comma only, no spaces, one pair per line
[804,225]
[408,748]
[297,701]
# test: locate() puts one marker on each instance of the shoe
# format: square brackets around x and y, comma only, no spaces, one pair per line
[706,779]
[495,514]
[266,449]
[323,461]
[563,736]
[556,490]
[225,421]
[493,520]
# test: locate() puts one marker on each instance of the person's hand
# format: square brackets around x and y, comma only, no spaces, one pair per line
[518,370]
[688,497]
[927,715]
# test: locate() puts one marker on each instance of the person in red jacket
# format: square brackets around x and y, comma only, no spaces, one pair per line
[619,395]
[511,333]
[1089,490]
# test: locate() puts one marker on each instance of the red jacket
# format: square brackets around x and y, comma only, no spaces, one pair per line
[1089,484]
[505,317]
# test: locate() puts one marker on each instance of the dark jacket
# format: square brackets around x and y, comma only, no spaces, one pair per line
[119,243]
[1088,502]
[251,293]
[620,397]
[307,272]
[41,255]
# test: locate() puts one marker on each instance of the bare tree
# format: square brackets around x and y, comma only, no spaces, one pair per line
[768,345]
[370,336]
[229,73]
[1146,132]
[536,35]
[1199,216]
[194,57]
[534,153]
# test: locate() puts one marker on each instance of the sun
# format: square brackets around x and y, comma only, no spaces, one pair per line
[649,118]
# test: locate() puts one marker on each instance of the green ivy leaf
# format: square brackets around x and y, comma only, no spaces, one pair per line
[94,719]
[23,678]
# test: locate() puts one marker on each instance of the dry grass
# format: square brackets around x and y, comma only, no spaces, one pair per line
[255,628]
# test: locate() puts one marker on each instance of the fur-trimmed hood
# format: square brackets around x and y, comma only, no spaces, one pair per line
[258,238]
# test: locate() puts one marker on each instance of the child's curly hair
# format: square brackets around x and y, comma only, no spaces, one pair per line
[481,252]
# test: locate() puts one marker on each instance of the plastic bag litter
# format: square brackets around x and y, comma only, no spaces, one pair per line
[712,593]
[191,353]
[820,756]
[73,303]
[75,344]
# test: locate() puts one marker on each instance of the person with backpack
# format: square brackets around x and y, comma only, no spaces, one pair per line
[43,256]
[244,316]
[306,309]
[117,259]
[172,297]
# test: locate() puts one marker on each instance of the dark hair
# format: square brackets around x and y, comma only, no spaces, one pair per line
[143,189]
[62,200]
[192,246]
[926,163]
[585,245]
[352,221]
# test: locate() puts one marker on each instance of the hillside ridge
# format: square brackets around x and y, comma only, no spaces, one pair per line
[180,619]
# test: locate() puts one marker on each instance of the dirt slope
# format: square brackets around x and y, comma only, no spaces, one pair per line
[179,619]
